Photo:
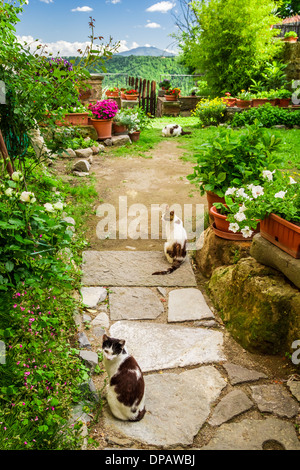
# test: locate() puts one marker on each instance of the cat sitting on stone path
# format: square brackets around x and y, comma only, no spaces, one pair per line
[126,391]
[173,130]
[175,246]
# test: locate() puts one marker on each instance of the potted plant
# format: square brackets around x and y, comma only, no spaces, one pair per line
[243,99]
[229,100]
[290,36]
[234,159]
[223,228]
[131,94]
[165,84]
[76,115]
[112,92]
[172,94]
[122,121]
[284,97]
[103,113]
[276,203]
[139,121]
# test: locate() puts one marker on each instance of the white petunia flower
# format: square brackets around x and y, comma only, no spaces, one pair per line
[267,174]
[257,191]
[49,207]
[240,216]
[246,232]
[240,192]
[280,195]
[234,227]
[292,181]
[230,191]
[242,208]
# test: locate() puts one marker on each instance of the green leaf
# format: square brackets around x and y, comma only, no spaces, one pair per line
[9,266]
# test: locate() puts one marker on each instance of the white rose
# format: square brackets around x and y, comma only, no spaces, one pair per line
[9,192]
[48,207]
[58,206]
[27,196]
[280,194]
[17,176]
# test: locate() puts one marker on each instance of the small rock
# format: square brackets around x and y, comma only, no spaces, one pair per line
[90,160]
[97,149]
[86,318]
[206,323]
[274,399]
[81,174]
[98,331]
[91,296]
[68,153]
[107,142]
[238,374]
[294,386]
[84,153]
[233,404]
[83,341]
[118,140]
[162,291]
[101,320]
[81,166]
[90,358]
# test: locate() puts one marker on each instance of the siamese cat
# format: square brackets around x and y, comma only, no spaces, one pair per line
[126,390]
[175,246]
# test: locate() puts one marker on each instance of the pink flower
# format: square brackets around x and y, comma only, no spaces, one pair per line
[15,306]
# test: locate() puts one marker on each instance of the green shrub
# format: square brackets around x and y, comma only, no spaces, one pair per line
[210,112]
[268,116]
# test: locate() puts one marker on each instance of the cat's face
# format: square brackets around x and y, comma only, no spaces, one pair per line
[167,216]
[112,347]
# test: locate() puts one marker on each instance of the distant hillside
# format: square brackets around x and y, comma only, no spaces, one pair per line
[146,51]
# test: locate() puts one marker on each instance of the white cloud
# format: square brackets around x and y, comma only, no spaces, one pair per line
[83,9]
[46,1]
[161,7]
[152,25]
[60,48]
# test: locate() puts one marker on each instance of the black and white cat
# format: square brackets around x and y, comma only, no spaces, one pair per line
[175,246]
[173,130]
[126,390]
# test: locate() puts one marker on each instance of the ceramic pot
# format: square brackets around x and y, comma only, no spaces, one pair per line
[282,233]
[131,97]
[221,227]
[119,128]
[112,94]
[284,102]
[170,97]
[74,119]
[134,136]
[259,102]
[103,128]
[243,103]
[212,197]
[290,39]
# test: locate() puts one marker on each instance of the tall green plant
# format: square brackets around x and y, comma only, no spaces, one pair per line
[231,41]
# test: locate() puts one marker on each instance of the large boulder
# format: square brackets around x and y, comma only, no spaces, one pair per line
[258,305]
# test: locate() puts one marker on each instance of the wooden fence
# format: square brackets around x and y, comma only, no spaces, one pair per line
[287,27]
[147,92]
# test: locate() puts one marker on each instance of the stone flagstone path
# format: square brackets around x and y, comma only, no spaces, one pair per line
[179,344]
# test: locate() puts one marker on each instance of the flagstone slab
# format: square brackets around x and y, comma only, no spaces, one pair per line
[177,405]
[123,269]
[134,303]
[187,304]
[158,346]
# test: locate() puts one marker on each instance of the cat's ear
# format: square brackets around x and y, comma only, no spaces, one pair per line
[122,343]
[104,338]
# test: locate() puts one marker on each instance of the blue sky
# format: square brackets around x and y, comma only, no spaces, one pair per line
[63,24]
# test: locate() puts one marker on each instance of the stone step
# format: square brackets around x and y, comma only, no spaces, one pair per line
[122,269]
[158,346]
[177,406]
[188,304]
[134,303]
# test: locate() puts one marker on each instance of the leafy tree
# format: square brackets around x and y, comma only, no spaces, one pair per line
[287,8]
[231,41]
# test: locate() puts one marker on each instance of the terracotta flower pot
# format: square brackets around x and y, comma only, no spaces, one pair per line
[221,221]
[212,197]
[221,227]
[74,119]
[112,94]
[170,97]
[119,129]
[243,103]
[134,136]
[131,97]
[230,102]
[282,233]
[284,102]
[103,128]
[259,102]
[290,39]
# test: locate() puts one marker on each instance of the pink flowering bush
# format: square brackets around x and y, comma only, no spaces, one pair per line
[105,109]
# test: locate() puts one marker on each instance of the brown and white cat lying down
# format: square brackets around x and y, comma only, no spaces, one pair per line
[175,246]
[173,130]
[126,390]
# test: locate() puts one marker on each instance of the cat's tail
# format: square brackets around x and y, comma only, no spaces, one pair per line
[185,132]
[175,265]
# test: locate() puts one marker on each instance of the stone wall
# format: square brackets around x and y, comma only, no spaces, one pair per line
[94,93]
[291,56]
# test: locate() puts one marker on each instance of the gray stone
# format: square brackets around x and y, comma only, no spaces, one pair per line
[68,153]
[177,406]
[162,291]
[233,404]
[80,174]
[238,374]
[158,346]
[294,386]
[86,318]
[107,142]
[101,320]
[187,304]
[254,435]
[118,140]
[91,296]
[81,166]
[84,153]
[84,341]
[97,149]
[134,303]
[123,268]
[206,323]
[270,255]
[274,399]
[90,358]
[90,160]
[98,331]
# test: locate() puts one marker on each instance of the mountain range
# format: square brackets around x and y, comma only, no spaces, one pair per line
[147,51]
